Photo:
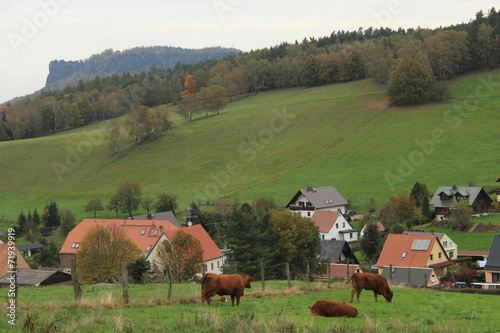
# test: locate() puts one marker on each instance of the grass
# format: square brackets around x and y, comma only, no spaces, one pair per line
[272,144]
[276,309]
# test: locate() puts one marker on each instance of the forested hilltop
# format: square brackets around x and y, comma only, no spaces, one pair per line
[136,60]
[413,63]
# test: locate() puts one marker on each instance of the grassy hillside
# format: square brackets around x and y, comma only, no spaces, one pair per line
[272,144]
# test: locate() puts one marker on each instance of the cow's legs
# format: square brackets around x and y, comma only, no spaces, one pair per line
[352,294]
[232,300]
[359,293]
[375,293]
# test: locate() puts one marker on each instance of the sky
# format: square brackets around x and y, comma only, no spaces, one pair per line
[35,32]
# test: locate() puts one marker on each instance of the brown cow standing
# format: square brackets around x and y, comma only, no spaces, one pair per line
[374,282]
[224,284]
[333,309]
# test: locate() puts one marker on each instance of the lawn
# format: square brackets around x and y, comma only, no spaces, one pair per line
[276,309]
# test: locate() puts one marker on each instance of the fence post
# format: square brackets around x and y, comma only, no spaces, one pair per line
[348,276]
[262,275]
[329,274]
[77,288]
[125,282]
[307,273]
[169,281]
[287,272]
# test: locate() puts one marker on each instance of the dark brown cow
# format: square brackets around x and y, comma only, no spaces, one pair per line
[333,309]
[224,284]
[374,282]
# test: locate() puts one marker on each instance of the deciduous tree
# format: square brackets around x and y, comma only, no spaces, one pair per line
[93,206]
[182,255]
[400,209]
[128,196]
[410,82]
[101,254]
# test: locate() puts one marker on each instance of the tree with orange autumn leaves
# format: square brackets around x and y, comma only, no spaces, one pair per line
[189,105]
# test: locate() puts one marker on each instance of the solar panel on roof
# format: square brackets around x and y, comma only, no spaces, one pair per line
[420,244]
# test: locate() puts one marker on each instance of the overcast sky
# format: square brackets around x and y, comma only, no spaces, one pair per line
[35,32]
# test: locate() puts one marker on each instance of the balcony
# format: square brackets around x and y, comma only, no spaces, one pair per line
[298,207]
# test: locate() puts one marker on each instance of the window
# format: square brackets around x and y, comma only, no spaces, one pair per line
[322,236]
[109,230]
[343,224]
[218,262]
[336,225]
[143,231]
[404,255]
[431,257]
[75,245]
[439,255]
[156,232]
[308,213]
[149,247]
[350,235]
[445,243]
[212,266]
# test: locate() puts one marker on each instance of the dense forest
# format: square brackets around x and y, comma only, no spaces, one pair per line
[136,60]
[413,63]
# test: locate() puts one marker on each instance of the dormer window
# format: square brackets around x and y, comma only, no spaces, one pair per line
[443,196]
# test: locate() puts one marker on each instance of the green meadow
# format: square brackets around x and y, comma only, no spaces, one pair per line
[274,309]
[273,143]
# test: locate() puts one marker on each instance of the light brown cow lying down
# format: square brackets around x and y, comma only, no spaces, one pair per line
[333,309]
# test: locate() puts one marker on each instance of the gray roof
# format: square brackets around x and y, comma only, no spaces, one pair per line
[30,246]
[31,277]
[470,192]
[160,216]
[332,250]
[321,197]
[417,276]
[438,234]
[493,262]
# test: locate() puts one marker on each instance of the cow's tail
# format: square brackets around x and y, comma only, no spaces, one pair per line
[350,278]
[205,279]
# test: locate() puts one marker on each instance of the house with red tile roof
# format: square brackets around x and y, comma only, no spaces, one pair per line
[380,227]
[144,233]
[333,225]
[4,259]
[408,259]
[212,255]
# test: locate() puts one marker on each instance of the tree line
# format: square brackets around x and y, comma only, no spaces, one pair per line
[388,56]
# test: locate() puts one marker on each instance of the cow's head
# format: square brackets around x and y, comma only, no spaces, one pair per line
[388,296]
[248,279]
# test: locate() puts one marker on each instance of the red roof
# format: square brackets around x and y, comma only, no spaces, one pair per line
[398,252]
[325,220]
[210,249]
[144,233]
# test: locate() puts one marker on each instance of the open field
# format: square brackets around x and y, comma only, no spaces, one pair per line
[272,144]
[276,309]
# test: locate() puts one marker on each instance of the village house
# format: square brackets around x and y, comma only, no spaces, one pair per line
[416,260]
[492,267]
[446,196]
[326,198]
[449,245]
[380,227]
[144,233]
[212,255]
[4,260]
[333,225]
[340,259]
